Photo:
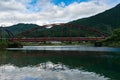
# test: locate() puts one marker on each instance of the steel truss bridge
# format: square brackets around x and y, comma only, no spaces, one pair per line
[44,39]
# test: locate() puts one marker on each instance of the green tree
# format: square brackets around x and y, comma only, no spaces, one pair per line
[114,39]
[3,44]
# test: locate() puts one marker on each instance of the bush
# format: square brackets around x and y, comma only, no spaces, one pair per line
[3,44]
[14,45]
[6,44]
[114,39]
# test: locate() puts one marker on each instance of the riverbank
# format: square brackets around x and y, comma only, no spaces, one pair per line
[6,44]
[103,43]
[57,43]
[112,43]
[114,39]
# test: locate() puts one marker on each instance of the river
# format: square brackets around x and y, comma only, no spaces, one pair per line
[60,63]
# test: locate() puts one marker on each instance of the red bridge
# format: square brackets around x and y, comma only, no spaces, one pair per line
[44,39]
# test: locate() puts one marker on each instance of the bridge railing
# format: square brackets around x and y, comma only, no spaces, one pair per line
[44,39]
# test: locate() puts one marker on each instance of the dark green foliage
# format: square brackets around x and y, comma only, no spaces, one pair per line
[114,39]
[6,44]
[14,45]
[18,28]
[3,44]
[61,31]
[21,27]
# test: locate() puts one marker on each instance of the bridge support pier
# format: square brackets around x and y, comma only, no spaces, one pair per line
[69,42]
[44,42]
[98,44]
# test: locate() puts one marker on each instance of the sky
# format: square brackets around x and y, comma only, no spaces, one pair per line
[43,12]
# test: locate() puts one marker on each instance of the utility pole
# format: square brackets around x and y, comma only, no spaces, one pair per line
[2,33]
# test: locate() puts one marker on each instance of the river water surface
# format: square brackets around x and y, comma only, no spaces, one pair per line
[60,63]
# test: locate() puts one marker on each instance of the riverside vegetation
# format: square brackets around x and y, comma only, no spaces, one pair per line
[6,44]
[114,39]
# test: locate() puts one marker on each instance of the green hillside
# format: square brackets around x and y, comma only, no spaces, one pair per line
[106,21]
[18,28]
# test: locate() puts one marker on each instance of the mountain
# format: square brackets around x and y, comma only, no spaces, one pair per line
[18,28]
[105,21]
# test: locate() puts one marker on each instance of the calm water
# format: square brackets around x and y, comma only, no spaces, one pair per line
[60,63]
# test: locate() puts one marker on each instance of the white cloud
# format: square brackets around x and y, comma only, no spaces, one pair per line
[11,5]
[45,12]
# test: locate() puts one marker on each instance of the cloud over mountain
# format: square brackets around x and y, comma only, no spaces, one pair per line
[46,11]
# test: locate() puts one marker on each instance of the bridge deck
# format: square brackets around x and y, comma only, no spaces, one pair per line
[43,39]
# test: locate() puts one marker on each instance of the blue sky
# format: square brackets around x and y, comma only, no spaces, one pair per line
[50,11]
[57,2]
[32,3]
[67,2]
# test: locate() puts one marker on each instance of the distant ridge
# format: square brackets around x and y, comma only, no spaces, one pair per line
[109,19]
[17,28]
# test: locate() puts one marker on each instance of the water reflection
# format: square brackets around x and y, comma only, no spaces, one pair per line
[50,72]
[104,63]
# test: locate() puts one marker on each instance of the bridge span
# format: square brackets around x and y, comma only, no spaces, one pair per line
[61,39]
[44,36]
